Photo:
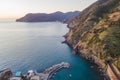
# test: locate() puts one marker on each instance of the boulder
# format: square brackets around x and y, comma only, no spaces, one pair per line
[5,74]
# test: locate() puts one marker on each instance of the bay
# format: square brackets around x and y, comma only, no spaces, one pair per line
[37,46]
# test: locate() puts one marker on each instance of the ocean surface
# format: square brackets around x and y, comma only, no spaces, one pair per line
[37,46]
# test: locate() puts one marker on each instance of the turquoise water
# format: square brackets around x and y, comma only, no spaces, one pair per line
[37,46]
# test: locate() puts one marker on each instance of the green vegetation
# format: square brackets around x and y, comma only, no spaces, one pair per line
[104,8]
[99,29]
[117,63]
[112,40]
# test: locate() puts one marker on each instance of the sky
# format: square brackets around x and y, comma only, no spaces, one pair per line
[18,8]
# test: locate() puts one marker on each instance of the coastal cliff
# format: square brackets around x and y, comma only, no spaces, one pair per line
[43,17]
[95,33]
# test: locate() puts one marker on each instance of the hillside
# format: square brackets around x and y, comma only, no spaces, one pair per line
[43,17]
[95,33]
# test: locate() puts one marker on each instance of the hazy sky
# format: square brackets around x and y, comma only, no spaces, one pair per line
[18,8]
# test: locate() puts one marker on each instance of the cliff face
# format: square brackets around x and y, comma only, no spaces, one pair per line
[95,32]
[43,17]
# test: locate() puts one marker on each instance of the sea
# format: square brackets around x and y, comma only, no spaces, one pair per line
[37,46]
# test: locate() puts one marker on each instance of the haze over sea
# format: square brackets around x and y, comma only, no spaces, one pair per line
[37,46]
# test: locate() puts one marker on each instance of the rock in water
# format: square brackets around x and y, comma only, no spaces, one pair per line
[5,74]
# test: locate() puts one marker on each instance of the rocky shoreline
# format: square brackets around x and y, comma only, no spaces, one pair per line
[94,35]
[98,64]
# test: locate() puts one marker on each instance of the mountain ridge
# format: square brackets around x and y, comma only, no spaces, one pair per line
[51,17]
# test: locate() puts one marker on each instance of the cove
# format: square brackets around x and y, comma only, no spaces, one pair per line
[37,46]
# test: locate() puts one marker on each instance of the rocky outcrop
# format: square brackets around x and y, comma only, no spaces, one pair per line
[5,74]
[95,33]
[43,17]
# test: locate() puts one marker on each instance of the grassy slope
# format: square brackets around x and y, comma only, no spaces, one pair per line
[100,31]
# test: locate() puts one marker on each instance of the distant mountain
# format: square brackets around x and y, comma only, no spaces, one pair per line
[43,17]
